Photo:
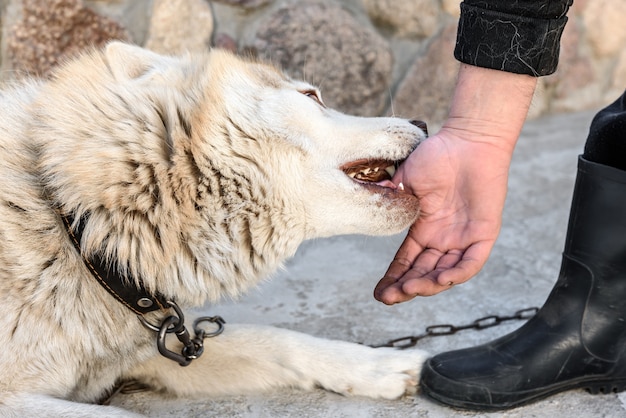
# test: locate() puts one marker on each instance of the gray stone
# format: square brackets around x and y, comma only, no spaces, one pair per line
[131,14]
[180,25]
[619,79]
[604,22]
[574,85]
[426,91]
[225,41]
[50,30]
[417,18]
[452,7]
[326,45]
[246,4]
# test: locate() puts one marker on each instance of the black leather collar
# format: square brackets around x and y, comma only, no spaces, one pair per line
[137,299]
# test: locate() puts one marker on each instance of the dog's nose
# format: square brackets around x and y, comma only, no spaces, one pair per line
[420,124]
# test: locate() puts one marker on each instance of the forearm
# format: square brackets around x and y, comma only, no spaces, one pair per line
[503,46]
[490,105]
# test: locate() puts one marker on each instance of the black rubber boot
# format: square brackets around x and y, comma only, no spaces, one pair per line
[578,338]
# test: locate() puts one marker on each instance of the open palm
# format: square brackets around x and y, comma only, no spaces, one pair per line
[462,187]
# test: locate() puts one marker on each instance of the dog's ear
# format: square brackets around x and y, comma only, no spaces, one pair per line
[129,61]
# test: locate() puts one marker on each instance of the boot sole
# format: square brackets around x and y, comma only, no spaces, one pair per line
[495,401]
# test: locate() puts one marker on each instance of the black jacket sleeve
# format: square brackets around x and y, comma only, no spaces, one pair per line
[518,36]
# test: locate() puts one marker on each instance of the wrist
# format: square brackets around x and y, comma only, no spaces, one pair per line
[490,105]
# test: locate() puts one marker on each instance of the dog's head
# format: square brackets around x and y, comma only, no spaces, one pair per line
[238,133]
[331,169]
[335,170]
[346,183]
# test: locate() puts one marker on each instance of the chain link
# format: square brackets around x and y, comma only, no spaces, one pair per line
[191,350]
[175,324]
[128,387]
[447,329]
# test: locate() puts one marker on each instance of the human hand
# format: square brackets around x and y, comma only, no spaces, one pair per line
[460,176]
[462,186]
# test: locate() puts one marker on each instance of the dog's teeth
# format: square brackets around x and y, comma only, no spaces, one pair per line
[351,175]
[391,170]
[401,187]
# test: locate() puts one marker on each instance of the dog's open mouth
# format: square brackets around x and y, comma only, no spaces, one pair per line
[378,172]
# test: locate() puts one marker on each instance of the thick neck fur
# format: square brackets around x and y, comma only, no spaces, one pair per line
[171,194]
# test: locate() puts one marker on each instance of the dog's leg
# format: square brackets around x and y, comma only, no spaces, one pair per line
[248,358]
[42,406]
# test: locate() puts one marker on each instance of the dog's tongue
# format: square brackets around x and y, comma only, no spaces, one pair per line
[386,183]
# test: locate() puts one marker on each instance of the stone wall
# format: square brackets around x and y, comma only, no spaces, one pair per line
[370,57]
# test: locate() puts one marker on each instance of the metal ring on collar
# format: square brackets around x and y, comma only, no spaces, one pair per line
[175,327]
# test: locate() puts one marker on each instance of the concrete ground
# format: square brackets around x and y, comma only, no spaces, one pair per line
[326,291]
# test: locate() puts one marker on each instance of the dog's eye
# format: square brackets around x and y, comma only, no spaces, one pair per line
[315,95]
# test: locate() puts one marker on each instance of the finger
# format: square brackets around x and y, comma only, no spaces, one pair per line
[386,289]
[454,267]
[392,294]
[407,288]
[403,268]
[448,261]
[469,264]
[419,280]
[405,256]
[424,280]
[426,285]
[402,261]
[426,262]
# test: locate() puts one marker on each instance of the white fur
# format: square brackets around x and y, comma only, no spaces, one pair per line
[201,175]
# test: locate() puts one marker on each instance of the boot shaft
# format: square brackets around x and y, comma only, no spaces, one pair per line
[595,257]
[597,224]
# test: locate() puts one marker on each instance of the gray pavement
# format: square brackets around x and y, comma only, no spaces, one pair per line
[326,291]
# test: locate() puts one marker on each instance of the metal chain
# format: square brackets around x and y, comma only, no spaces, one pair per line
[447,329]
[128,387]
[192,347]
[191,350]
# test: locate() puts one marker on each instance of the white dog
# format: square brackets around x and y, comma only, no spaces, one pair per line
[139,184]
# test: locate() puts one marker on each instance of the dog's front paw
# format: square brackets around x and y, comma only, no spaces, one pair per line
[376,373]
